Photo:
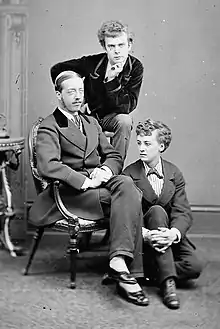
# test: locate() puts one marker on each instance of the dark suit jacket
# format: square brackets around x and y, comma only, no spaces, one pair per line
[119,95]
[172,198]
[64,153]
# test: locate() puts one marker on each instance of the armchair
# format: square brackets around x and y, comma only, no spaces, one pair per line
[70,223]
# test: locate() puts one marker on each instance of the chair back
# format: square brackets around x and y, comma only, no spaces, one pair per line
[39,182]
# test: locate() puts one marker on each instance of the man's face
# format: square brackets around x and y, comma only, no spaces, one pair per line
[149,148]
[117,48]
[72,94]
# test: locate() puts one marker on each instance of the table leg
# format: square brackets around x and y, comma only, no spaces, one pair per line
[7,214]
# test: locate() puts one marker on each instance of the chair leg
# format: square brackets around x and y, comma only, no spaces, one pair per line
[73,250]
[36,239]
[73,260]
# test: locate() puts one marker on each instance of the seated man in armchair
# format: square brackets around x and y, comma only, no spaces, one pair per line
[72,148]
[168,254]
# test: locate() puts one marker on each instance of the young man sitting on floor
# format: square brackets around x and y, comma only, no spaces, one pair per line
[168,254]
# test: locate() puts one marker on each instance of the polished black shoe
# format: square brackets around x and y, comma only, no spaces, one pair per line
[170,297]
[115,276]
[138,298]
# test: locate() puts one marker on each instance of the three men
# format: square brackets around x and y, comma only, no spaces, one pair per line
[168,253]
[112,82]
[72,148]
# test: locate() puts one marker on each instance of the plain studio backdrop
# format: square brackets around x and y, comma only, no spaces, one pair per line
[178,44]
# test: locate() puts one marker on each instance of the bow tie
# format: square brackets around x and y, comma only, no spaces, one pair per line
[153,171]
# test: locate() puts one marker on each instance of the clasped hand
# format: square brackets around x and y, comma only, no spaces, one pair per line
[160,239]
[99,176]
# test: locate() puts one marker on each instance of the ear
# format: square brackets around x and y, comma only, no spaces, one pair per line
[58,94]
[129,45]
[162,147]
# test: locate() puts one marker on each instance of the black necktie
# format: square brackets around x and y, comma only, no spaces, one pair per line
[153,171]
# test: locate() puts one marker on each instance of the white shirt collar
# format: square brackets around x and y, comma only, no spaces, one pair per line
[67,114]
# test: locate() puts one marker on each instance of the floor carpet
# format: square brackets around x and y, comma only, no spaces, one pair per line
[43,300]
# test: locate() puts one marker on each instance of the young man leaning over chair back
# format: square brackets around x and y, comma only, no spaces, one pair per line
[113,80]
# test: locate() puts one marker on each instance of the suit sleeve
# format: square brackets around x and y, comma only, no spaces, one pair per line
[122,96]
[181,215]
[49,162]
[79,65]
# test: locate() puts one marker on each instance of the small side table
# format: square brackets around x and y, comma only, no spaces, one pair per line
[10,149]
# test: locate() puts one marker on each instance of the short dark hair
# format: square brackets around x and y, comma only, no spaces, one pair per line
[63,76]
[113,29]
[146,128]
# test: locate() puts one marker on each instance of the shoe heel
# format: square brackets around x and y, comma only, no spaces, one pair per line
[106,280]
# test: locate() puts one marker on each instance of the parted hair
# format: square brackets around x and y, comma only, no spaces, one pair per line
[63,76]
[113,29]
[146,128]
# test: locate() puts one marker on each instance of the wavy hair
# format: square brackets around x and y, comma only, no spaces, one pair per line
[113,29]
[146,128]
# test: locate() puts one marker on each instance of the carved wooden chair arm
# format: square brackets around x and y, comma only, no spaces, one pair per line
[73,220]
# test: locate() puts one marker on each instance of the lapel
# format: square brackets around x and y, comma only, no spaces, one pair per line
[140,179]
[168,189]
[124,76]
[91,135]
[100,69]
[69,130]
[143,183]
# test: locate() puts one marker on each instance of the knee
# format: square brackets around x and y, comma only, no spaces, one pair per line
[125,182]
[127,186]
[194,268]
[124,121]
[155,216]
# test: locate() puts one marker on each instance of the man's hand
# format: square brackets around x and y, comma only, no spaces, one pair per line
[162,238]
[97,177]
[114,71]
[148,236]
[85,109]
[101,175]
[159,239]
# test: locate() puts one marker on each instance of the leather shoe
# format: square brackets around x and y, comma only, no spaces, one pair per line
[116,276]
[170,298]
[137,298]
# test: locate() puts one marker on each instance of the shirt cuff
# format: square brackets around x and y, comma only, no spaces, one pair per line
[178,234]
[107,169]
[86,184]
[144,231]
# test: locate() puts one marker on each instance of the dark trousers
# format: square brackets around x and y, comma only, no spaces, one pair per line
[123,205]
[179,260]
[121,126]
